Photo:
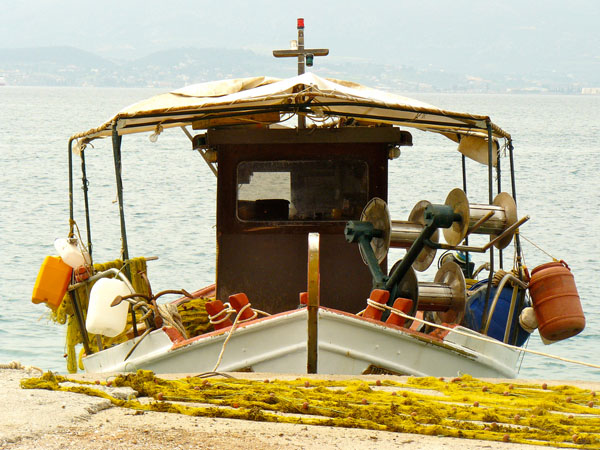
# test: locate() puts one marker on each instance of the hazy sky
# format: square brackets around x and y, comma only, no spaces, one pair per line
[444,33]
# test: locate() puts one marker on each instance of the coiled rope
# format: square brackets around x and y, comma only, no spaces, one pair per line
[16,365]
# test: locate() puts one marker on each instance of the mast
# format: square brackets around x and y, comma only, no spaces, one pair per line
[305,56]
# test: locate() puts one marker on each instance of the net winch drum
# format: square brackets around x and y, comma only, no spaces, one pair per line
[397,233]
[555,301]
[446,295]
[376,211]
[504,214]
[404,234]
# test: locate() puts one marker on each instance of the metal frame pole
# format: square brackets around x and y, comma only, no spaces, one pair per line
[73,294]
[499,181]
[71,215]
[490,198]
[84,183]
[513,337]
[116,142]
[469,273]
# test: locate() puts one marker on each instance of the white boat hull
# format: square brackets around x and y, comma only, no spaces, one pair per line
[347,344]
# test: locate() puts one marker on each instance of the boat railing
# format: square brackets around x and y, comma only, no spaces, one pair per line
[112,273]
[517,283]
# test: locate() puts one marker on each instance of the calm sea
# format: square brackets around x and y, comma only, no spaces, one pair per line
[170,194]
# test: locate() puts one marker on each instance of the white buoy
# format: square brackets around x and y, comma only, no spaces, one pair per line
[70,253]
[101,317]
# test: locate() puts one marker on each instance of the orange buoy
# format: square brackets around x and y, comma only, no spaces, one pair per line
[402,304]
[52,282]
[238,301]
[303,298]
[379,296]
[216,311]
[556,301]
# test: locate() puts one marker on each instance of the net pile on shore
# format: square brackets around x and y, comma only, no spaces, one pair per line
[561,416]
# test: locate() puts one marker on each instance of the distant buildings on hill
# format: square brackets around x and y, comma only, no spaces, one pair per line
[591,91]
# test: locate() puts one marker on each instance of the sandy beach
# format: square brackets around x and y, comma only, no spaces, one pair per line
[52,420]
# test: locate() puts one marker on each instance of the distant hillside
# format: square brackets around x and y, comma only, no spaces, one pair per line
[51,55]
[69,66]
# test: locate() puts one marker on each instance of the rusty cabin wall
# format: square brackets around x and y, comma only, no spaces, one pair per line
[268,260]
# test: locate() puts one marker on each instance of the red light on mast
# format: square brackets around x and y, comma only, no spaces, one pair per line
[300,22]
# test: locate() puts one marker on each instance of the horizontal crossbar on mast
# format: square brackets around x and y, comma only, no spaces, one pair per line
[292,53]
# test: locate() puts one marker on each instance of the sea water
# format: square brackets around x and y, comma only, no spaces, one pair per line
[170,196]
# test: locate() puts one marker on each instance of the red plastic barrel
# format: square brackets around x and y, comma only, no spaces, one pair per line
[556,301]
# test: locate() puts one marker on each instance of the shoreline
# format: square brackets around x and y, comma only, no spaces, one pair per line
[53,420]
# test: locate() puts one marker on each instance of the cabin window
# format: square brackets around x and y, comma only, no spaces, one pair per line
[301,190]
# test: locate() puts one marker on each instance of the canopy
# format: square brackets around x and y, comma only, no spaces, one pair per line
[317,98]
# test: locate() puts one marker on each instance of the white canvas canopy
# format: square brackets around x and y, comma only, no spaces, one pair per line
[317,98]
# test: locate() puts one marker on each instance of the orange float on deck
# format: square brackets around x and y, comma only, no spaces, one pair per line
[556,301]
[238,301]
[216,311]
[402,304]
[379,296]
[303,298]
[52,282]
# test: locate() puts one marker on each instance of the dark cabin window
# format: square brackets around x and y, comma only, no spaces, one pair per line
[301,190]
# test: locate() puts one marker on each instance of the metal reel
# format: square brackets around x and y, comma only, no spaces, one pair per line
[451,275]
[457,199]
[506,202]
[377,212]
[427,255]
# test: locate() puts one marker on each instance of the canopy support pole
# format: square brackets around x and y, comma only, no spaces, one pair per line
[73,294]
[71,216]
[116,142]
[85,183]
[521,302]
[491,200]
[469,273]
[499,176]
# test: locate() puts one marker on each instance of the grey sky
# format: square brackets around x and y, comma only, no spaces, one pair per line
[450,35]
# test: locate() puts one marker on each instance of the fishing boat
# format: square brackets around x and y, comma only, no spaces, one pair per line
[303,233]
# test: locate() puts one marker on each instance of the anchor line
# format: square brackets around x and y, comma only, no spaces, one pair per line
[539,248]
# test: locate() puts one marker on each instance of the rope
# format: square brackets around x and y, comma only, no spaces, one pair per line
[481,338]
[170,314]
[372,303]
[227,312]
[16,365]
[233,327]
[539,248]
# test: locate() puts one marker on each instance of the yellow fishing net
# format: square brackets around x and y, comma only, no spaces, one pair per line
[464,407]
